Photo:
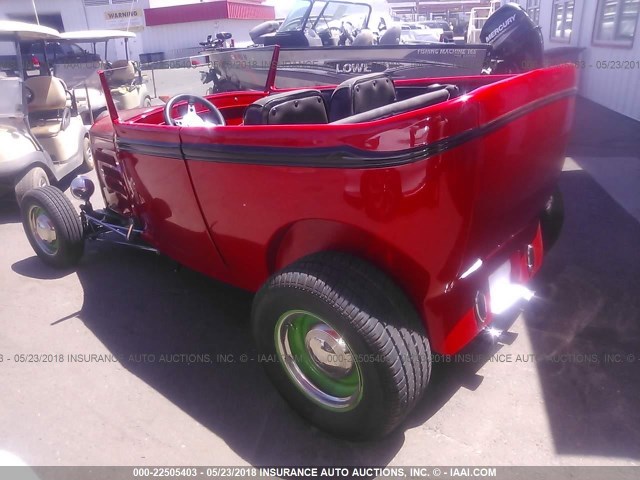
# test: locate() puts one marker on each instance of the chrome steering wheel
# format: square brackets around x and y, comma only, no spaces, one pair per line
[191,117]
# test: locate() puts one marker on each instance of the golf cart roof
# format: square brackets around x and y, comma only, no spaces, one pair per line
[26,31]
[90,36]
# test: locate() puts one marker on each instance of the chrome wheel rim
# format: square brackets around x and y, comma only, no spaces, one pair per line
[318,360]
[43,230]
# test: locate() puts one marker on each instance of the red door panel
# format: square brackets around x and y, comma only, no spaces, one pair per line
[164,197]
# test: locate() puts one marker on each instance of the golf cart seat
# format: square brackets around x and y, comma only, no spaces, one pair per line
[49,111]
[123,72]
[122,83]
[360,94]
[287,108]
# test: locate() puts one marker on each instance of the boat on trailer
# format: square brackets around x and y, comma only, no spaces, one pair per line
[327,42]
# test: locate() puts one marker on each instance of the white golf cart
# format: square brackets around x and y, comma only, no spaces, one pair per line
[42,136]
[127,83]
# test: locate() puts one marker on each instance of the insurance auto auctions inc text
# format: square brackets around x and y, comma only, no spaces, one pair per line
[376,472]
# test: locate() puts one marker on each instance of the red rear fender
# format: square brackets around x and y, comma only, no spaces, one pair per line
[306,237]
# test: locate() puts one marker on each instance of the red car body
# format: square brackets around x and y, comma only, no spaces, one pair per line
[438,198]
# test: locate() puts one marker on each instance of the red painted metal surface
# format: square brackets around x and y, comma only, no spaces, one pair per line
[198,12]
[424,222]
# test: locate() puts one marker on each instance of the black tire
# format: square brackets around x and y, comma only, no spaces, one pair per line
[147,101]
[88,163]
[374,318]
[62,216]
[33,178]
[100,115]
[552,219]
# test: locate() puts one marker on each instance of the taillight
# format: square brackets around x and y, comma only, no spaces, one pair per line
[35,61]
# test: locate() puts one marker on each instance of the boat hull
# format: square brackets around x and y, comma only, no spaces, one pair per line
[247,68]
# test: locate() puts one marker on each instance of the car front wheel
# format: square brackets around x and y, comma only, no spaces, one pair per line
[52,226]
[342,344]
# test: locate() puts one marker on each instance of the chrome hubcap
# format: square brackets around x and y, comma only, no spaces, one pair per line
[329,351]
[43,230]
[318,360]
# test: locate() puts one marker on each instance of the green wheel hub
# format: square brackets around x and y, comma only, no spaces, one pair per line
[318,360]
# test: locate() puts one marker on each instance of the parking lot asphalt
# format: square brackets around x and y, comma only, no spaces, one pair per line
[560,387]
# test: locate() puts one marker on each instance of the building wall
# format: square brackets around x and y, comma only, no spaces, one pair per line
[76,16]
[71,11]
[177,37]
[616,89]
[174,39]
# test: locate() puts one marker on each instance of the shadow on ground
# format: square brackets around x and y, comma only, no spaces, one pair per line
[588,320]
[9,211]
[138,306]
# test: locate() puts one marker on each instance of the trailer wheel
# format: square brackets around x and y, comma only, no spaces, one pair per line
[552,219]
[87,156]
[342,344]
[33,178]
[53,227]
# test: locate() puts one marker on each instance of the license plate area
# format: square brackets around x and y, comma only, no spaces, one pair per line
[503,292]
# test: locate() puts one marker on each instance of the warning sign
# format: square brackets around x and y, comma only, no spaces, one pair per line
[132,19]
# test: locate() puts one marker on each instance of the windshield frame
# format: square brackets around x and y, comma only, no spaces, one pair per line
[303,18]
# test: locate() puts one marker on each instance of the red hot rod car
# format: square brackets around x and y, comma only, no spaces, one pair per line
[377,220]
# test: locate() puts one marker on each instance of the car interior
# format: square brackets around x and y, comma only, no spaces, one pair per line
[360,99]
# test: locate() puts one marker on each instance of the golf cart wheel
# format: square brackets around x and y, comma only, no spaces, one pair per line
[342,344]
[552,219]
[53,227]
[87,156]
[147,101]
[33,178]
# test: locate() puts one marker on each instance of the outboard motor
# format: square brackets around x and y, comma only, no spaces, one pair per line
[516,42]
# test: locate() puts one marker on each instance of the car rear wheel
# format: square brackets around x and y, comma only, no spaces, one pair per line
[33,178]
[52,226]
[342,344]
